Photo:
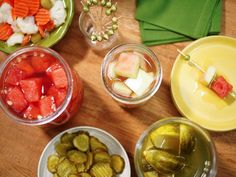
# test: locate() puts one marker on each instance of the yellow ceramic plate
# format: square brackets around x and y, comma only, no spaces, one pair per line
[197,102]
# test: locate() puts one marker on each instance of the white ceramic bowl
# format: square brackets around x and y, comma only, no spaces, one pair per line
[112,143]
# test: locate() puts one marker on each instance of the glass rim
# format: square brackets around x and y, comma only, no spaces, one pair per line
[61,108]
[148,94]
[159,123]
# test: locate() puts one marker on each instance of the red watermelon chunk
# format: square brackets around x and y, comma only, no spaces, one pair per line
[32,112]
[47,106]
[14,76]
[16,100]
[221,87]
[25,66]
[32,89]
[40,64]
[58,94]
[59,78]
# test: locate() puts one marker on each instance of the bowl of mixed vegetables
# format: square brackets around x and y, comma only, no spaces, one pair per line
[37,22]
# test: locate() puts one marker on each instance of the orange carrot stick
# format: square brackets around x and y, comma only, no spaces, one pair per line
[26,40]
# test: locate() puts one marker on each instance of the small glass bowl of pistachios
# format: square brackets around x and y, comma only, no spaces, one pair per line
[175,147]
[84,152]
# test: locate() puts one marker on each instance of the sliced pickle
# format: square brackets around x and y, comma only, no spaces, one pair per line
[117,163]
[101,170]
[55,175]
[166,138]
[77,156]
[62,148]
[89,161]
[97,145]
[163,162]
[187,139]
[73,176]
[102,156]
[66,168]
[67,138]
[84,175]
[151,174]
[80,167]
[147,144]
[52,163]
[81,142]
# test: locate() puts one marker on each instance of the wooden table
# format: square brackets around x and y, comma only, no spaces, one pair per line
[21,146]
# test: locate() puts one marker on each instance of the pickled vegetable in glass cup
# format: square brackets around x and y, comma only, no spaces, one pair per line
[175,147]
[38,87]
[131,74]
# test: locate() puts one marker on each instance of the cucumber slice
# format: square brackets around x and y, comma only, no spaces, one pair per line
[209,76]
[121,89]
[127,65]
[111,70]
[143,63]
[141,84]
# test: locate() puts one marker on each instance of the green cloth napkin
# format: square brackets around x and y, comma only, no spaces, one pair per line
[153,33]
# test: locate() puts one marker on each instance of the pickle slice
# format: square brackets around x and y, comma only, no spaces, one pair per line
[73,176]
[151,174]
[102,156]
[163,162]
[47,4]
[80,167]
[89,161]
[52,163]
[146,166]
[117,163]
[66,168]
[81,142]
[84,175]
[67,138]
[97,145]
[76,156]
[36,38]
[187,139]
[55,175]
[62,148]
[147,144]
[101,170]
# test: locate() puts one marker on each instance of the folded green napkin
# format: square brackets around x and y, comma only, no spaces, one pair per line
[180,29]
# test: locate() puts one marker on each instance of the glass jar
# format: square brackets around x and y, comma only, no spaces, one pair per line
[202,161]
[25,61]
[152,60]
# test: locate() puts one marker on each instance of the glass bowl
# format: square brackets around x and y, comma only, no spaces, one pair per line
[140,100]
[202,162]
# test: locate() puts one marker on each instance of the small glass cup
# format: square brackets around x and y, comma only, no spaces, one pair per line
[72,100]
[137,101]
[88,25]
[203,140]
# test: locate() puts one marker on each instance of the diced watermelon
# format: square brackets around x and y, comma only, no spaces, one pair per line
[58,94]
[32,89]
[47,106]
[221,87]
[127,65]
[41,64]
[32,112]
[47,83]
[25,66]
[14,76]
[59,78]
[16,100]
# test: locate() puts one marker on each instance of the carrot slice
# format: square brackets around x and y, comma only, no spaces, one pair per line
[26,40]
[42,17]
[5,31]
[20,9]
[42,31]
[33,5]
[11,2]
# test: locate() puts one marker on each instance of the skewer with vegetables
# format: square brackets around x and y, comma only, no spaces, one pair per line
[211,79]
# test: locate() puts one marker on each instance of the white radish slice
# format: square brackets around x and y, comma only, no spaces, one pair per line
[209,75]
[121,89]
[111,70]
[127,65]
[143,63]
[141,84]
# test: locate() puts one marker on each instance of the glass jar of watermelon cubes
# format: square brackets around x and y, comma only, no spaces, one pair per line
[131,74]
[38,87]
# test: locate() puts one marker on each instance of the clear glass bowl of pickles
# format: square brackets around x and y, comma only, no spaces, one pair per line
[175,147]
[84,152]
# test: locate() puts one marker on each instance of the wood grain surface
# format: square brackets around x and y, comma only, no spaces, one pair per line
[21,146]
